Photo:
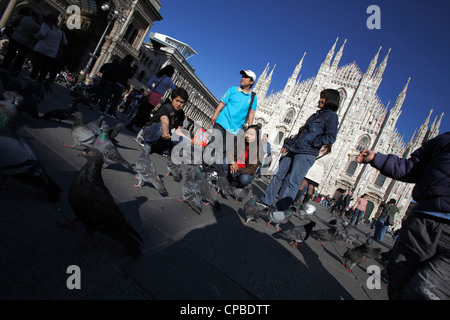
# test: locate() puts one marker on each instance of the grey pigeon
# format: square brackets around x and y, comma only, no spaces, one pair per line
[95,208]
[174,170]
[110,153]
[95,125]
[278,217]
[240,193]
[191,191]
[82,135]
[356,255]
[18,160]
[146,172]
[61,113]
[205,188]
[298,233]
[325,234]
[114,132]
[251,210]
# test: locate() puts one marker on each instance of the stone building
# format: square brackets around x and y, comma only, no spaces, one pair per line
[364,122]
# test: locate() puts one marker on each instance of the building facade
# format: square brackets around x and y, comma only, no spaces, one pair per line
[107,30]
[364,123]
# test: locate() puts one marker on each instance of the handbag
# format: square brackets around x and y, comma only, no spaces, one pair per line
[154,97]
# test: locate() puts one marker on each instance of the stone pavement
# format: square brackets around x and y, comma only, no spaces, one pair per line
[185,256]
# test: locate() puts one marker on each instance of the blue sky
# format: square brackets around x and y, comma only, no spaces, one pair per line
[233,35]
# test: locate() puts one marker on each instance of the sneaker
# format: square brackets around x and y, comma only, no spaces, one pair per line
[261,204]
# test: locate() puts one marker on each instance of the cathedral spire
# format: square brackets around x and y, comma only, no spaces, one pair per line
[372,65]
[330,54]
[293,78]
[401,97]
[380,70]
[422,131]
[338,57]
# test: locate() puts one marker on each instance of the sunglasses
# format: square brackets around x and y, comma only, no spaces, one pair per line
[245,76]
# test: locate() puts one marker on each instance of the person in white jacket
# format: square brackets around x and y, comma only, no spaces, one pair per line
[49,39]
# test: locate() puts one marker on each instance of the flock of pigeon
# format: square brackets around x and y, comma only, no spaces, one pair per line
[100,213]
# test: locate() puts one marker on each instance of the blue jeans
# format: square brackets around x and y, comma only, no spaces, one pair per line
[242,179]
[293,167]
[357,214]
[380,229]
[153,137]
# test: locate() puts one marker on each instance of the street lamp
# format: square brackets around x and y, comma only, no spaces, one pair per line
[113,14]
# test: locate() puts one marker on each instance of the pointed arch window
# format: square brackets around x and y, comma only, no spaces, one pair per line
[280,136]
[289,117]
[352,168]
[379,181]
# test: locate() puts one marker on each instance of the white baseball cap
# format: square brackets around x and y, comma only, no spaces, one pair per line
[249,73]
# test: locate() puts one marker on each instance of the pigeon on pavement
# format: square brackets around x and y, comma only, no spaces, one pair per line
[61,113]
[95,208]
[146,172]
[174,170]
[298,233]
[18,160]
[251,210]
[356,255]
[192,194]
[82,135]
[96,125]
[110,153]
[278,217]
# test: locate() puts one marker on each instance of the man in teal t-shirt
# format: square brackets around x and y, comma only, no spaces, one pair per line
[232,110]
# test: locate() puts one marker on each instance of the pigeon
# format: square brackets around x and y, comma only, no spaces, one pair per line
[110,153]
[95,125]
[279,217]
[325,234]
[240,193]
[251,210]
[297,234]
[196,188]
[18,160]
[174,170]
[356,255]
[82,135]
[223,186]
[205,189]
[61,113]
[191,192]
[306,211]
[114,132]
[94,206]
[146,172]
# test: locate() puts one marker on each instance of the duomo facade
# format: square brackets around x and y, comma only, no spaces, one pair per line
[364,123]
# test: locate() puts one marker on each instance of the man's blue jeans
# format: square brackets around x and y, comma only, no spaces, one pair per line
[293,167]
[380,229]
